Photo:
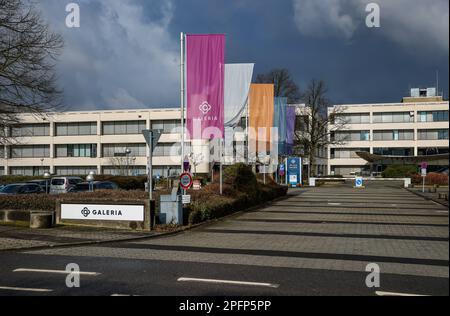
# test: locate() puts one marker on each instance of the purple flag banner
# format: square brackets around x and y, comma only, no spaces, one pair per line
[205,58]
[290,128]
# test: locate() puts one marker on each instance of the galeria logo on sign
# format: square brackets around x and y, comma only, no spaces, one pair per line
[86,212]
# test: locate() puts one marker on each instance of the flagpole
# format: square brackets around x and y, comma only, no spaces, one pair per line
[221,166]
[182,77]
[247,131]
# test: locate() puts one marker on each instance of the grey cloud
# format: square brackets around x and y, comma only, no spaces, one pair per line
[118,58]
[416,25]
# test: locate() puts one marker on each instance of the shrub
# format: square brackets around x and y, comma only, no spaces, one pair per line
[399,171]
[241,178]
[431,179]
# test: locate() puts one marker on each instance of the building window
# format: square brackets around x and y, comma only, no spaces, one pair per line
[349,170]
[433,134]
[30,130]
[353,118]
[84,150]
[402,152]
[167,126]
[75,171]
[163,172]
[351,136]
[76,129]
[2,152]
[34,151]
[124,170]
[28,171]
[168,150]
[347,153]
[2,171]
[433,116]
[124,127]
[391,135]
[395,117]
[119,150]
[433,151]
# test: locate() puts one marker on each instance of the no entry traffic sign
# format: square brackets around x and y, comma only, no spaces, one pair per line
[186,181]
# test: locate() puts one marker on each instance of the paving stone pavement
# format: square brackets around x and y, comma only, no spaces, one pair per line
[18,238]
[327,228]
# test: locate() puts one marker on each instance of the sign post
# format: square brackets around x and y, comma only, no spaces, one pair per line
[424,167]
[152,138]
[282,172]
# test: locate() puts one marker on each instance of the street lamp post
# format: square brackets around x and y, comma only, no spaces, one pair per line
[47,176]
[127,154]
[90,178]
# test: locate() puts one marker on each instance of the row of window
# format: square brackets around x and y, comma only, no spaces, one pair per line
[350,153]
[90,150]
[390,135]
[162,172]
[393,117]
[90,128]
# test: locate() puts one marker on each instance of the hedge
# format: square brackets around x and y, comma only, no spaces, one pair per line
[399,171]
[431,179]
[241,190]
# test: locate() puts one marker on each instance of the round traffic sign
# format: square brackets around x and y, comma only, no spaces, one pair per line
[186,181]
[359,182]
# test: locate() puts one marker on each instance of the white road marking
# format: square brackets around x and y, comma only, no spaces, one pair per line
[228,282]
[24,289]
[381,293]
[446,212]
[57,272]
[334,203]
[124,295]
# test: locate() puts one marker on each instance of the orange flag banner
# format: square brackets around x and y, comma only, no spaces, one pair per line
[261,102]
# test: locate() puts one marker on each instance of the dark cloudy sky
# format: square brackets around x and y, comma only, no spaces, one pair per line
[126,53]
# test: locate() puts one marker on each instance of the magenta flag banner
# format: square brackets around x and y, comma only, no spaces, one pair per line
[205,69]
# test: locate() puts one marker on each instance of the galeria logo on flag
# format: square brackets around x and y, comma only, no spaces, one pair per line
[205,108]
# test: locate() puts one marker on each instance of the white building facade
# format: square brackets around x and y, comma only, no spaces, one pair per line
[418,126]
[105,142]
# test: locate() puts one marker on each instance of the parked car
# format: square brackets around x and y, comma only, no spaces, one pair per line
[98,185]
[61,185]
[44,184]
[21,188]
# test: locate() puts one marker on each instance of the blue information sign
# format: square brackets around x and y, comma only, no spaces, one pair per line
[294,171]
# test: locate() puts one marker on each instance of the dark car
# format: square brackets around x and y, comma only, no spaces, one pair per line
[44,184]
[98,185]
[21,188]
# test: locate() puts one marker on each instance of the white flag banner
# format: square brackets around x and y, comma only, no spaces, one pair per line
[238,78]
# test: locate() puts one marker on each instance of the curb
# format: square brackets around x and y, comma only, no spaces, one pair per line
[153,236]
[427,198]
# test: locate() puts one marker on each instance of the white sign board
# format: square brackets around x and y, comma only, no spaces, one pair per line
[424,172]
[186,199]
[100,212]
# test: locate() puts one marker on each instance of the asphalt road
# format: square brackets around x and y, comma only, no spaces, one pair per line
[317,242]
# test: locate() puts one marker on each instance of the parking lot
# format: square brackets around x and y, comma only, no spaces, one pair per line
[318,241]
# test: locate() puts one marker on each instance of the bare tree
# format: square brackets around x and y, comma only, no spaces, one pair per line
[319,123]
[285,86]
[28,51]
